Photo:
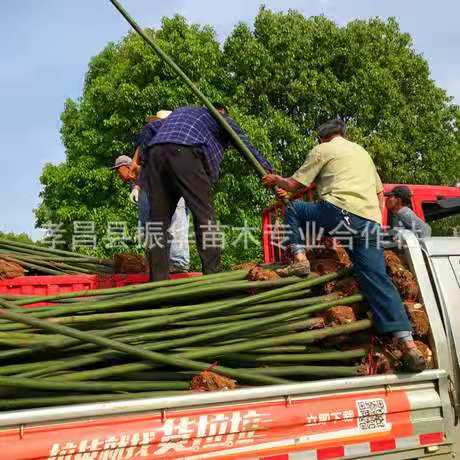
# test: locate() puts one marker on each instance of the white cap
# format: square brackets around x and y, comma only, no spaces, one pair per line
[162,114]
[122,160]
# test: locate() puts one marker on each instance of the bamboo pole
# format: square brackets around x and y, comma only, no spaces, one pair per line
[299,337]
[137,352]
[217,277]
[40,249]
[312,371]
[219,118]
[161,321]
[22,263]
[197,312]
[254,324]
[218,351]
[49,401]
[89,387]
[236,140]
[335,355]
[152,298]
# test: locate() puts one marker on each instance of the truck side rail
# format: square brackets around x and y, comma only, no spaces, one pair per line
[68,413]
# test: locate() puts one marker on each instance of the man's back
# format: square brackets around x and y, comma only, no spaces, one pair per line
[197,127]
[190,126]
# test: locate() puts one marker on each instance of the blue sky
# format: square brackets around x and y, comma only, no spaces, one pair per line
[46,46]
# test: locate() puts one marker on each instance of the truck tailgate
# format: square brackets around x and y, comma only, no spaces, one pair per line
[329,419]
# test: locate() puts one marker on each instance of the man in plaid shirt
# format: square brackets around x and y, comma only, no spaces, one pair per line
[183,160]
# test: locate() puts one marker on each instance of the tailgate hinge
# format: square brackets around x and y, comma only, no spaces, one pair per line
[453,399]
[287,401]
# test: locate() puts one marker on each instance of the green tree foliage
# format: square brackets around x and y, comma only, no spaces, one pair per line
[19,237]
[279,79]
[449,226]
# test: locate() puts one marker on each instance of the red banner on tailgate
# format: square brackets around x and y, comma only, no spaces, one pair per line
[231,431]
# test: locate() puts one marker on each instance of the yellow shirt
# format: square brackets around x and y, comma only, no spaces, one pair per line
[345,176]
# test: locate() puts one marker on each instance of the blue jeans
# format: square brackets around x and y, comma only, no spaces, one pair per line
[179,252]
[389,314]
[143,208]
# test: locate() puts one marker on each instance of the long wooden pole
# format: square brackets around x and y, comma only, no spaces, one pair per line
[239,144]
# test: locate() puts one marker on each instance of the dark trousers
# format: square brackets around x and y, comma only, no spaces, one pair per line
[361,237]
[175,171]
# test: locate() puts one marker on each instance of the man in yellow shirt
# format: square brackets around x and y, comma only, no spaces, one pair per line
[351,198]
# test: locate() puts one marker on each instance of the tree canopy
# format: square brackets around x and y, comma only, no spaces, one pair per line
[280,79]
[19,237]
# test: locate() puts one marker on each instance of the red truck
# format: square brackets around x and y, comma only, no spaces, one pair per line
[429,202]
[382,416]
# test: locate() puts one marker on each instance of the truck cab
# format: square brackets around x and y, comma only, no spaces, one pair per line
[429,202]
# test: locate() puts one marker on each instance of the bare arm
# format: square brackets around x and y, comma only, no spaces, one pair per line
[381,199]
[302,177]
[379,190]
[286,183]
[136,164]
[137,156]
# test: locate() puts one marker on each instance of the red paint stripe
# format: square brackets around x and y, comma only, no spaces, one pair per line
[330,452]
[276,457]
[431,438]
[375,446]
[384,444]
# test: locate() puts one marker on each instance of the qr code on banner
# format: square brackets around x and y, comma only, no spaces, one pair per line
[371,414]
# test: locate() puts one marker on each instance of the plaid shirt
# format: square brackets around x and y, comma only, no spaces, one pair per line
[195,126]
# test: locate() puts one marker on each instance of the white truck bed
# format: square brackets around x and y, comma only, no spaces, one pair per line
[382,416]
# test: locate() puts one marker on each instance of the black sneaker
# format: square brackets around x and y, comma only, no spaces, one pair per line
[413,361]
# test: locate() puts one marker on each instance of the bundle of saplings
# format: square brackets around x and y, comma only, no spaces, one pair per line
[18,259]
[242,328]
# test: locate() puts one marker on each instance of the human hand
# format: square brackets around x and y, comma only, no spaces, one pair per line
[282,194]
[270,180]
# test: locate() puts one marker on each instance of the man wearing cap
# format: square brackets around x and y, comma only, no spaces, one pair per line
[124,169]
[183,160]
[398,202]
[351,198]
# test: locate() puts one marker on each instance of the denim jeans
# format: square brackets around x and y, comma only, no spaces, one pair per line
[389,314]
[179,253]
[143,208]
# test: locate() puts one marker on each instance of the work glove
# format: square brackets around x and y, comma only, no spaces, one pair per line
[134,195]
